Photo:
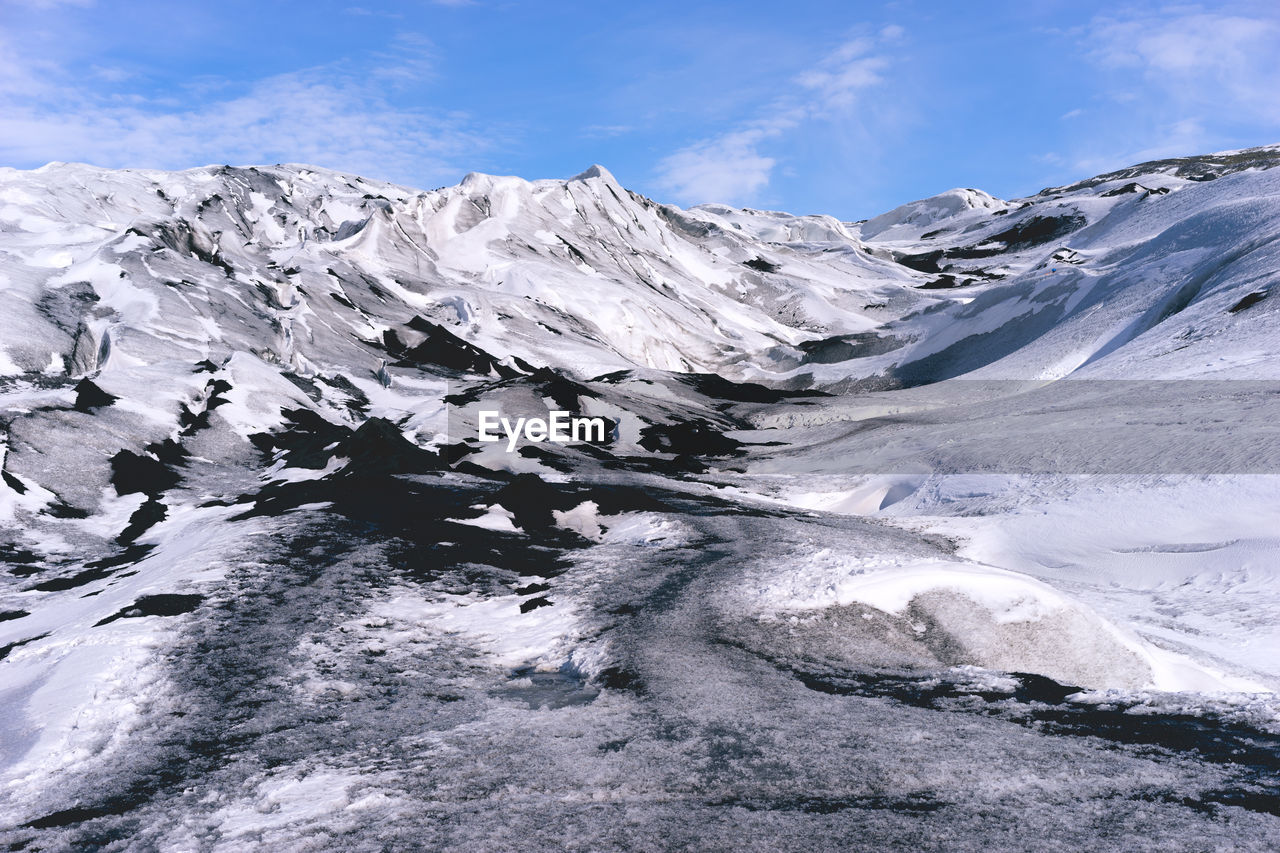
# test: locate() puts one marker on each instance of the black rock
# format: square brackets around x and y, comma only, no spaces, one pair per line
[90,397]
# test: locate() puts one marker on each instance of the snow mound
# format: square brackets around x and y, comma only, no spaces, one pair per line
[966,614]
[919,215]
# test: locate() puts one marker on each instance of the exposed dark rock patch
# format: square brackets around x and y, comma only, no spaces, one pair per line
[442,348]
[945,281]
[1026,234]
[87,575]
[13,482]
[531,500]
[378,448]
[306,440]
[5,650]
[168,451]
[1037,230]
[761,265]
[1248,301]
[565,392]
[534,604]
[713,385]
[143,518]
[134,474]
[163,604]
[695,437]
[12,554]
[923,261]
[1131,187]
[90,397]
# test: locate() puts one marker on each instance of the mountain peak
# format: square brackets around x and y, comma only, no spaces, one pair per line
[595,170]
[927,212]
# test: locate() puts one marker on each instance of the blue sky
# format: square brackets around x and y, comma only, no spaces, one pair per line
[845,108]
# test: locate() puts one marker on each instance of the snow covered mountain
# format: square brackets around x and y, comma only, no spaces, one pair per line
[957,474]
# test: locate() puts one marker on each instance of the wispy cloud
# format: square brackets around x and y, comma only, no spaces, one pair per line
[1198,60]
[734,167]
[606,131]
[892,32]
[327,116]
[411,58]
[22,77]
[1169,139]
[1174,83]
[728,168]
[841,77]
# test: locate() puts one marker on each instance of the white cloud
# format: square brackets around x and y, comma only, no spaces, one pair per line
[323,116]
[410,59]
[838,84]
[892,32]
[729,169]
[21,78]
[732,168]
[1198,60]
[1180,82]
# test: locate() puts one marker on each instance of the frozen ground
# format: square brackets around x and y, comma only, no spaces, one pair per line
[950,530]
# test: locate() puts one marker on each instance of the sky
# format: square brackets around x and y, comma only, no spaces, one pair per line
[844,108]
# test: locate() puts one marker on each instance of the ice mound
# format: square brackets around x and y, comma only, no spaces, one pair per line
[868,498]
[953,614]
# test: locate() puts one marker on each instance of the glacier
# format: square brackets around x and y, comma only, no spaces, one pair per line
[950,529]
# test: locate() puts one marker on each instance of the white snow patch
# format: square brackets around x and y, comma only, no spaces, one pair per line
[496,517]
[583,519]
[494,624]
